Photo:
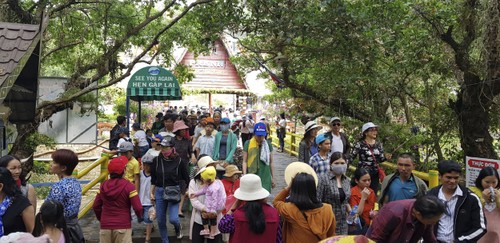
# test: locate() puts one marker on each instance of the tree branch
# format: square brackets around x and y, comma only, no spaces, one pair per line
[102,72]
[60,48]
[24,16]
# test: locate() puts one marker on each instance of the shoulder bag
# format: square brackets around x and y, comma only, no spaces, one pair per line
[171,193]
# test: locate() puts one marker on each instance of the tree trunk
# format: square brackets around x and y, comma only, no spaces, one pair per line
[472,109]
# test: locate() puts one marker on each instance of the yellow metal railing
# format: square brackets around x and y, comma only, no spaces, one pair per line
[292,147]
[103,175]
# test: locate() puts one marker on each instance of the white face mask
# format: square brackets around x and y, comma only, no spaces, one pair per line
[224,127]
[338,169]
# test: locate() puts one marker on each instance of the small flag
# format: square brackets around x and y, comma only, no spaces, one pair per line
[279,82]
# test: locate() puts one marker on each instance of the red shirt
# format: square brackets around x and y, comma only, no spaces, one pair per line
[230,188]
[113,201]
[369,203]
[242,231]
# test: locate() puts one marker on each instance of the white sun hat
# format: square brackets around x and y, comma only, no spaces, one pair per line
[311,125]
[250,188]
[367,126]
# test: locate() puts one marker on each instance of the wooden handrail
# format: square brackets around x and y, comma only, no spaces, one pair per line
[78,152]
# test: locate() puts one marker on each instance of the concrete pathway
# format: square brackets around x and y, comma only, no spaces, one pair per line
[90,224]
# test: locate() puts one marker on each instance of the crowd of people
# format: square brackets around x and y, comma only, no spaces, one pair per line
[186,157]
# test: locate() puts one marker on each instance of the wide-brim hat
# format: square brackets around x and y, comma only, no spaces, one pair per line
[335,118]
[310,125]
[231,170]
[250,188]
[367,126]
[179,125]
[203,162]
[299,167]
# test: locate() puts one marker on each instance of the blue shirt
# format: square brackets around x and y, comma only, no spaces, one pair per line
[399,190]
[69,193]
[320,165]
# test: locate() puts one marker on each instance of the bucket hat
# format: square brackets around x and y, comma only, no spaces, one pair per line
[179,125]
[250,188]
[367,126]
[299,167]
[231,170]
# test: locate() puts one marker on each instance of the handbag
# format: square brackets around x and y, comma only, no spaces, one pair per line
[171,193]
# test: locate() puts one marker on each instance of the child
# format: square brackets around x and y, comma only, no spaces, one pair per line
[231,182]
[147,160]
[123,135]
[214,201]
[112,204]
[205,143]
[50,221]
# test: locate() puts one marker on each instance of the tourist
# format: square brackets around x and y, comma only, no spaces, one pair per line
[334,188]
[155,146]
[50,221]
[320,161]
[463,219]
[183,148]
[166,173]
[402,184]
[308,146]
[339,140]
[305,218]
[364,197]
[13,164]
[205,143]
[16,212]
[251,219]
[121,121]
[144,194]
[158,124]
[112,204]
[282,132]
[487,188]
[198,203]
[408,221]
[67,190]
[133,170]
[224,146]
[215,199]
[168,125]
[257,157]
[371,153]
[140,140]
[217,118]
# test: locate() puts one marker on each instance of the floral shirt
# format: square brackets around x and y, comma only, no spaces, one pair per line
[369,155]
[69,193]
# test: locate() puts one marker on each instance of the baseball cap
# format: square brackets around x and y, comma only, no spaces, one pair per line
[125,147]
[208,173]
[167,142]
[225,120]
[158,138]
[147,158]
[321,138]
[260,129]
[117,165]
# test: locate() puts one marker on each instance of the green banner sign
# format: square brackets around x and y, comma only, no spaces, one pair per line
[153,83]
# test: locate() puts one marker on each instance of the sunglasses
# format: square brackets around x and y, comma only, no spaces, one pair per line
[373,129]
[336,124]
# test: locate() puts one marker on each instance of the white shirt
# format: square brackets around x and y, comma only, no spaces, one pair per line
[140,135]
[337,144]
[122,140]
[446,223]
[145,189]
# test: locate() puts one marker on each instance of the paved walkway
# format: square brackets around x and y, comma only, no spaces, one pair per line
[91,226]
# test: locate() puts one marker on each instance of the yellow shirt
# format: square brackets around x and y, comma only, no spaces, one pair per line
[132,169]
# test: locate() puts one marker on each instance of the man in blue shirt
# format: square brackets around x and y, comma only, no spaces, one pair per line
[402,184]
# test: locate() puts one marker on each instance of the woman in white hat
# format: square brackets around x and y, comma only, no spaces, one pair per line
[308,146]
[251,219]
[306,219]
[370,152]
[198,203]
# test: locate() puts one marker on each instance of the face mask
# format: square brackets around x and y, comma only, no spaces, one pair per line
[168,153]
[338,169]
[224,127]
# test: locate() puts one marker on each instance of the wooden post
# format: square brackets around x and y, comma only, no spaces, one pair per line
[210,103]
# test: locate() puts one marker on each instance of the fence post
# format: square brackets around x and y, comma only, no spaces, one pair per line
[292,146]
[433,178]
[104,165]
